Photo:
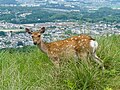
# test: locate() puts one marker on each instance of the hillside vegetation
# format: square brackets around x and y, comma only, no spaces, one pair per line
[29,69]
[25,15]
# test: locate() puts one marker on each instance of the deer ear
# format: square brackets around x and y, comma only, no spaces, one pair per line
[28,30]
[42,30]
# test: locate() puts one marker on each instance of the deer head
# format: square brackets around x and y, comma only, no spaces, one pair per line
[36,36]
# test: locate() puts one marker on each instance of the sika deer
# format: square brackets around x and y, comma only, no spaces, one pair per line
[81,46]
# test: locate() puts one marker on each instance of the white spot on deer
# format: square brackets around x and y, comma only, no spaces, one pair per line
[55,49]
[51,52]
[62,48]
[82,40]
[75,38]
[73,46]
[79,41]
[67,46]
[71,38]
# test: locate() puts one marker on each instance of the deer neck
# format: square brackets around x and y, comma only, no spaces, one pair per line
[43,46]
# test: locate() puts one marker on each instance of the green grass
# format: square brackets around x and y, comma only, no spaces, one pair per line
[29,69]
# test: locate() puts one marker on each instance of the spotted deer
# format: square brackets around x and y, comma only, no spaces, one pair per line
[80,46]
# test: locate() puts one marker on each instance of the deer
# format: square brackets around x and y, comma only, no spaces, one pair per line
[80,46]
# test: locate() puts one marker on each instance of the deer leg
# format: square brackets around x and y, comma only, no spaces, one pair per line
[56,61]
[98,60]
[84,57]
[94,46]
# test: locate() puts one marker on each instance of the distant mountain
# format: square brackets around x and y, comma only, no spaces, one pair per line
[8,2]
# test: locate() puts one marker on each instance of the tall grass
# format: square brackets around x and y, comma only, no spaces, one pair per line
[29,69]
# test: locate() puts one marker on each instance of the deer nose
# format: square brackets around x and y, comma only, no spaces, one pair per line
[35,43]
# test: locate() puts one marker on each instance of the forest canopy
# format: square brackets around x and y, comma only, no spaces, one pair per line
[21,15]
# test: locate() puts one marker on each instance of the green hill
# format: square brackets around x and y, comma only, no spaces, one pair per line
[29,69]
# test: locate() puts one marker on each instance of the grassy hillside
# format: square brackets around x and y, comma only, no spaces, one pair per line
[29,69]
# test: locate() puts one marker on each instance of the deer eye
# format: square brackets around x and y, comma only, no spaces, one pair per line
[38,35]
[32,36]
